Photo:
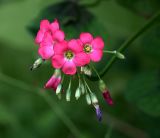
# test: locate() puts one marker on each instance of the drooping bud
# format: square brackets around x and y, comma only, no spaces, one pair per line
[59,88]
[68,92]
[94,99]
[102,85]
[77,93]
[37,64]
[82,87]
[119,55]
[98,112]
[88,99]
[86,70]
[107,97]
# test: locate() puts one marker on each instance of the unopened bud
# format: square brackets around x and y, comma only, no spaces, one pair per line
[119,55]
[59,88]
[82,87]
[94,98]
[37,64]
[88,99]
[102,85]
[68,92]
[77,93]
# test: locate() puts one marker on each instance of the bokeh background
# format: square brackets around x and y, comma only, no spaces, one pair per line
[28,111]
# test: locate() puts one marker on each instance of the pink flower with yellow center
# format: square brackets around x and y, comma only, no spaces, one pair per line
[93,47]
[69,55]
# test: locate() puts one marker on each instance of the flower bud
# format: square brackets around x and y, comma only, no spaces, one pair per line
[82,87]
[98,112]
[102,85]
[86,70]
[119,55]
[68,92]
[59,88]
[94,98]
[37,64]
[88,99]
[77,93]
[107,97]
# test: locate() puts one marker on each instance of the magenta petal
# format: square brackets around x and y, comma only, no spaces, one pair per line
[47,40]
[60,47]
[50,82]
[44,25]
[56,83]
[46,52]
[39,37]
[58,61]
[75,46]
[54,26]
[86,38]
[96,55]
[69,68]
[98,43]
[81,59]
[58,35]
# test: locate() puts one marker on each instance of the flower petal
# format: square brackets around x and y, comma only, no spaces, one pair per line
[81,59]
[47,40]
[69,68]
[54,26]
[58,61]
[86,38]
[46,52]
[57,82]
[50,82]
[39,37]
[75,46]
[44,25]
[96,55]
[58,35]
[98,43]
[60,47]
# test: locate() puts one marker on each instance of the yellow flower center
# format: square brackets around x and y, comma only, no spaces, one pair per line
[69,54]
[87,48]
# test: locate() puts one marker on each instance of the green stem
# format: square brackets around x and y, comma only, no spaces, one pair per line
[128,43]
[54,106]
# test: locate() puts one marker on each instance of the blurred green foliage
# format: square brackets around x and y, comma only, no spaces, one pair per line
[134,82]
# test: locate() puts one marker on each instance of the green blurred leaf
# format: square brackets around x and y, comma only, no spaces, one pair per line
[143,91]
[150,44]
[143,8]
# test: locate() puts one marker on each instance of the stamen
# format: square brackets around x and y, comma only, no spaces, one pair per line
[87,48]
[69,55]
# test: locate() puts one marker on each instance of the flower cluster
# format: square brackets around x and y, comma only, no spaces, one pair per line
[71,57]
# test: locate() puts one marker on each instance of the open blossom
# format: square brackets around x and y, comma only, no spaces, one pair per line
[93,47]
[54,81]
[46,47]
[47,36]
[69,55]
[52,28]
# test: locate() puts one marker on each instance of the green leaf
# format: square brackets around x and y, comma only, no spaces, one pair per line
[143,8]
[143,92]
[150,44]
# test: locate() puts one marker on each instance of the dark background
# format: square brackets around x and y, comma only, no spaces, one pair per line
[28,111]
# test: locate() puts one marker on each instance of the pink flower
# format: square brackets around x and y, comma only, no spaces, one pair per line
[52,28]
[54,81]
[92,46]
[68,55]
[46,47]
